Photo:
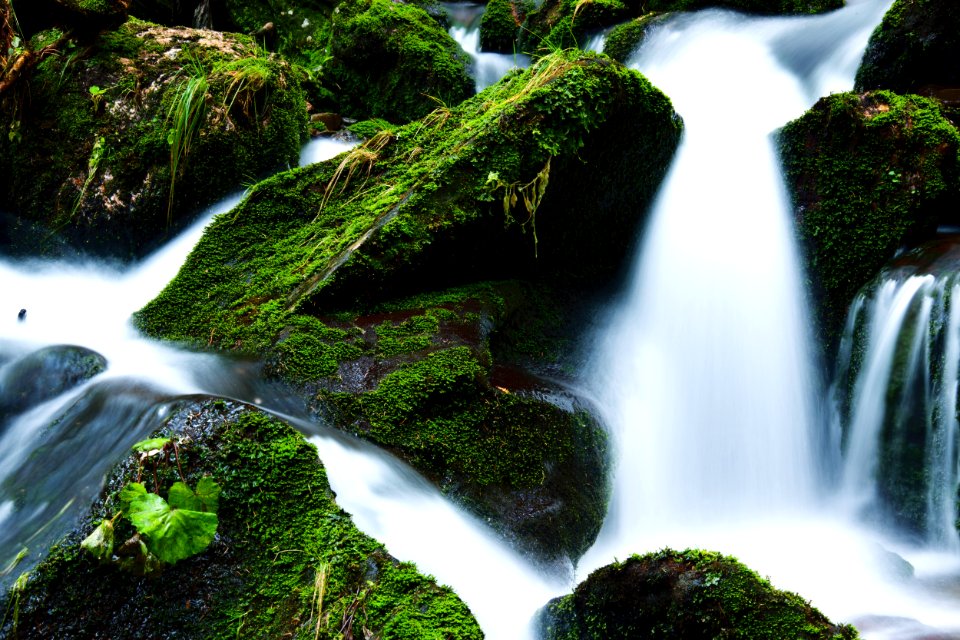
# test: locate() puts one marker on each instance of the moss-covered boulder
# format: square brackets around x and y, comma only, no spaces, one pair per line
[500,26]
[914,50]
[85,15]
[111,142]
[868,174]
[625,38]
[573,148]
[685,594]
[393,60]
[439,379]
[302,272]
[286,560]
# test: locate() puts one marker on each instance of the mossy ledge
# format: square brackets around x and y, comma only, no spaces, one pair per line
[99,146]
[868,174]
[683,594]
[279,530]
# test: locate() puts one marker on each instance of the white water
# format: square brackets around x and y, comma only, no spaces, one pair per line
[486,67]
[704,373]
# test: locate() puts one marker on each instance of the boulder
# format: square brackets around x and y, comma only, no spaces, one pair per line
[868,174]
[112,143]
[44,374]
[683,594]
[915,50]
[500,26]
[286,560]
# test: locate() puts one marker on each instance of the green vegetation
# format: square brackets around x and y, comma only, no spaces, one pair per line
[394,61]
[625,38]
[500,26]
[868,175]
[914,49]
[195,109]
[286,560]
[687,594]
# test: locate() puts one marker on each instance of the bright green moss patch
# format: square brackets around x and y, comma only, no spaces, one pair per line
[500,26]
[868,175]
[110,144]
[287,561]
[625,38]
[687,594]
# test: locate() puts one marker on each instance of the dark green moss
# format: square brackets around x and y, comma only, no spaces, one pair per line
[764,7]
[868,175]
[88,154]
[500,26]
[280,533]
[393,60]
[625,38]
[914,49]
[688,594]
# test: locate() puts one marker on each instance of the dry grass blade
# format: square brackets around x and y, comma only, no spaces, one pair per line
[364,156]
[319,590]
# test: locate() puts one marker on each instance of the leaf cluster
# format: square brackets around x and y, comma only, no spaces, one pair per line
[167,530]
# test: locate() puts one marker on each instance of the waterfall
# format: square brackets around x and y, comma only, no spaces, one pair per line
[896,396]
[486,68]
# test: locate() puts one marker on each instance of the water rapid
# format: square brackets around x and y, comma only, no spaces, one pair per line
[704,373]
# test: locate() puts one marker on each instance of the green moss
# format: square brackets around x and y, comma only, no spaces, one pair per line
[749,6]
[688,594]
[914,49]
[625,38]
[119,204]
[280,534]
[394,61]
[500,26]
[868,174]
[392,226]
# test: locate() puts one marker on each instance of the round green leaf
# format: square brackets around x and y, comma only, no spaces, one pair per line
[130,492]
[209,493]
[172,534]
[151,444]
[100,542]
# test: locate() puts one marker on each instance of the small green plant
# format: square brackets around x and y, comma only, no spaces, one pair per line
[96,96]
[167,530]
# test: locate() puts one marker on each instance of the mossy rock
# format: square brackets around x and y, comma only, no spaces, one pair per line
[421,207]
[685,594]
[279,529]
[393,60]
[44,374]
[915,50]
[868,174]
[293,274]
[761,7]
[500,26]
[94,136]
[625,38]
[439,380]
[33,16]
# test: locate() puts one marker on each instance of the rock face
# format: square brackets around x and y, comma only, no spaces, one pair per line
[915,50]
[500,26]
[111,142]
[357,279]
[868,174]
[625,38]
[286,561]
[688,594]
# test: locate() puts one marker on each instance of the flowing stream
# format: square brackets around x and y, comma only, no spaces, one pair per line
[703,373]
[486,67]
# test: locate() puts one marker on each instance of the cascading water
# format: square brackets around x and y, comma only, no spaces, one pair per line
[704,372]
[487,67]
[896,397]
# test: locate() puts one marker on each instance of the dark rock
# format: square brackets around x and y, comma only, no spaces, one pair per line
[44,374]
[688,594]
[914,50]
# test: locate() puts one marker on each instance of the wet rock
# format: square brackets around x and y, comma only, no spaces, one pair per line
[686,594]
[44,374]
